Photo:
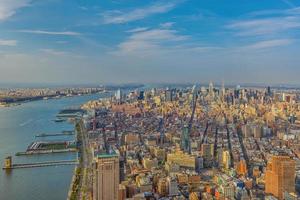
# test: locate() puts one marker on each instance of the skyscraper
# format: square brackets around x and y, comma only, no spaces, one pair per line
[185,139]
[119,95]
[269,92]
[226,159]
[211,88]
[106,177]
[280,176]
[172,186]
[222,91]
[242,167]
[199,164]
[141,95]
[170,94]
[122,169]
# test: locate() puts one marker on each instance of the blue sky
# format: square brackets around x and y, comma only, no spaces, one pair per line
[120,41]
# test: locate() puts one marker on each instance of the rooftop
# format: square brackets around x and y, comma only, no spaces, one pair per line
[104,154]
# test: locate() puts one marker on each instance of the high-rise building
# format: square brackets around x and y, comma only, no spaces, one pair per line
[169,95]
[106,177]
[162,187]
[228,191]
[223,90]
[211,88]
[172,186]
[122,169]
[185,139]
[141,95]
[199,164]
[119,95]
[280,176]
[242,167]
[161,130]
[203,90]
[226,159]
[207,151]
[269,91]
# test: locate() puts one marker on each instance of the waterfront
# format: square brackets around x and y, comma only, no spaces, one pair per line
[18,127]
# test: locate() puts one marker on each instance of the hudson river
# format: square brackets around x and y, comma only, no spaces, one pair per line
[18,127]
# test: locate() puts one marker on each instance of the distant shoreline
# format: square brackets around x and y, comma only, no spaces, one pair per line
[16,102]
[10,101]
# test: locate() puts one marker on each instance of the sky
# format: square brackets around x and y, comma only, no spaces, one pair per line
[134,41]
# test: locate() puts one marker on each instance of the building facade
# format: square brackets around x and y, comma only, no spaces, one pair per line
[280,176]
[106,177]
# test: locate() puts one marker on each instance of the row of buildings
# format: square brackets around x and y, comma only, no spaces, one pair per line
[195,143]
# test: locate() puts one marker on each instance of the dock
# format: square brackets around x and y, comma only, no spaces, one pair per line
[55,134]
[36,152]
[41,164]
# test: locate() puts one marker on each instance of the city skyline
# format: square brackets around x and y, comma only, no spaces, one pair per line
[151,41]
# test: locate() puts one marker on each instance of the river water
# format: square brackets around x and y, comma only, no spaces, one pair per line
[18,127]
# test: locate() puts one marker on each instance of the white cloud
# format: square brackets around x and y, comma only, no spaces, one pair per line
[149,40]
[267,22]
[269,44]
[294,11]
[64,33]
[9,7]
[167,24]
[158,34]
[159,42]
[139,29]
[118,17]
[265,26]
[8,43]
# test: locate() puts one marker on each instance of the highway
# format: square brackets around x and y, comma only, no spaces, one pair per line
[85,184]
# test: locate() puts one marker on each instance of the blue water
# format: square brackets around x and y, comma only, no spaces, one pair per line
[18,126]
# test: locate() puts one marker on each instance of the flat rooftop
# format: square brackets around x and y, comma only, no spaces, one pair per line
[104,154]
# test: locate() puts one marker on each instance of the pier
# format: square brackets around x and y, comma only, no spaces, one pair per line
[9,165]
[35,152]
[55,134]
[47,147]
